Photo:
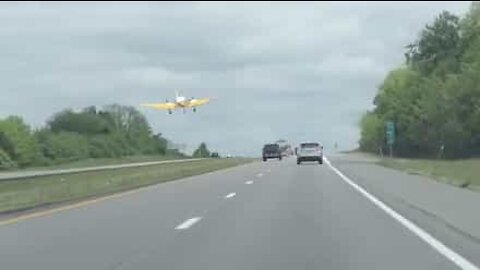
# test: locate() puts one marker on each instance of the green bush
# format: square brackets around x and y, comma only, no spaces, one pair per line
[64,146]
[202,151]
[372,137]
[5,161]
[23,146]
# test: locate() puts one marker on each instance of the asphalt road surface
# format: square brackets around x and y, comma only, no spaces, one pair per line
[273,215]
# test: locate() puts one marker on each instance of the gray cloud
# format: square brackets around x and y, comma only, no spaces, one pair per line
[292,70]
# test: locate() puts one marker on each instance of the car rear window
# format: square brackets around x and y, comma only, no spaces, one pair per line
[271,147]
[309,145]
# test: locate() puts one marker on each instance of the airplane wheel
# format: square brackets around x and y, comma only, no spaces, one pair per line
[194,109]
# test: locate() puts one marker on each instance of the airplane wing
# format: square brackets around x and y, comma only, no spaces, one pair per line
[198,102]
[161,106]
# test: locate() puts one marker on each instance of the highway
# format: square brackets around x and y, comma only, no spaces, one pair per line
[264,215]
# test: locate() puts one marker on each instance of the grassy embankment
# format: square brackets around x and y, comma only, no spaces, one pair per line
[92,162]
[39,191]
[463,173]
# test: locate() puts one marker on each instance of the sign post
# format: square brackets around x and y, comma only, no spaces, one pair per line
[390,135]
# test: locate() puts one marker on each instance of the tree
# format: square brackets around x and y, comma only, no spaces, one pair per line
[202,151]
[438,47]
[159,144]
[113,131]
[5,161]
[86,122]
[214,155]
[470,33]
[19,141]
[63,146]
[126,118]
[6,145]
[132,124]
[435,99]
[372,137]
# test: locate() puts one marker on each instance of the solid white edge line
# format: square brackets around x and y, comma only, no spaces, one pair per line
[425,236]
[188,223]
[259,174]
[230,195]
[248,182]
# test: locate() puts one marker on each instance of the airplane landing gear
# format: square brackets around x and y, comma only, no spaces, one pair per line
[194,109]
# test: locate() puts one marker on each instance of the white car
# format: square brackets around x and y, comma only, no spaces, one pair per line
[310,151]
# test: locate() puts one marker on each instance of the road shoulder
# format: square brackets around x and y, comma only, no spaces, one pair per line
[445,211]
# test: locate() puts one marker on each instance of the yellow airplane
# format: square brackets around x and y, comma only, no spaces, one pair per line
[180,102]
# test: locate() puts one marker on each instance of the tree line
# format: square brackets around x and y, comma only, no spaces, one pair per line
[111,132]
[434,97]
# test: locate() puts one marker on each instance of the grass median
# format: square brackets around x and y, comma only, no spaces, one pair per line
[39,191]
[462,173]
[92,162]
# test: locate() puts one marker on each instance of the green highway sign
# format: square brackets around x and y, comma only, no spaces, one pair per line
[390,132]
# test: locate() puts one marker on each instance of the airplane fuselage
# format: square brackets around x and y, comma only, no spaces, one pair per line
[181,101]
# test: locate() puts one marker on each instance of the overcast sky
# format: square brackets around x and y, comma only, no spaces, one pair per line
[298,71]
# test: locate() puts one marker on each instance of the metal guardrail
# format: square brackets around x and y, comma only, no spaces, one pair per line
[22,175]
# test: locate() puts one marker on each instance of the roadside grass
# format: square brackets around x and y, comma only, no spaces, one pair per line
[91,162]
[39,191]
[463,173]
[351,151]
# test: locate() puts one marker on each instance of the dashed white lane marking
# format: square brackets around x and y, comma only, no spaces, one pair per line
[249,182]
[259,174]
[188,223]
[230,195]
[425,236]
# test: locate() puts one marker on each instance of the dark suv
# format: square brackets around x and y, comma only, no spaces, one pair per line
[271,151]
